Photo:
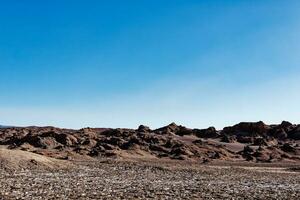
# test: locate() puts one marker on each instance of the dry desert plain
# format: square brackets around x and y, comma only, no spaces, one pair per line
[245,161]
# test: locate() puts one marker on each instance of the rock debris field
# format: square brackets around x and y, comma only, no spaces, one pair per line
[151,180]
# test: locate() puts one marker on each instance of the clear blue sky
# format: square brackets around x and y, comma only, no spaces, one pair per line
[124,63]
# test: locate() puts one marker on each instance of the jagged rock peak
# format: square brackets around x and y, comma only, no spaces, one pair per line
[143,128]
[173,124]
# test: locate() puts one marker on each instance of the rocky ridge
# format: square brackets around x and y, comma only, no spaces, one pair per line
[256,142]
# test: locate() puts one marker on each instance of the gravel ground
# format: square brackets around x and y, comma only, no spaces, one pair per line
[129,180]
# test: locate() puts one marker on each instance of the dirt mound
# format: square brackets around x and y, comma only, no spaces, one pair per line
[16,159]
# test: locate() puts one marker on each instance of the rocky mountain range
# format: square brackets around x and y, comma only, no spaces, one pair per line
[246,141]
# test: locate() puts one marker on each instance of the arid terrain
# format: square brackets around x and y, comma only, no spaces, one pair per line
[244,161]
